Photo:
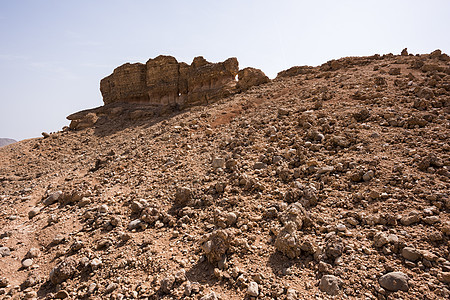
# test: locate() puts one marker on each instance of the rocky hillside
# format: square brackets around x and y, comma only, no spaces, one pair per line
[326,181]
[5,141]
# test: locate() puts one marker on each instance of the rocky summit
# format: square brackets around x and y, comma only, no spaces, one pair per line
[204,181]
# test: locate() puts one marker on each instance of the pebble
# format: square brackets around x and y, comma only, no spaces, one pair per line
[368,175]
[218,162]
[103,209]
[62,295]
[4,251]
[30,295]
[394,281]
[341,227]
[259,165]
[111,287]
[410,253]
[444,277]
[134,224]
[330,284]
[291,294]
[410,219]
[32,253]
[383,238]
[430,220]
[167,284]
[26,263]
[52,198]
[33,212]
[3,282]
[252,289]
[95,263]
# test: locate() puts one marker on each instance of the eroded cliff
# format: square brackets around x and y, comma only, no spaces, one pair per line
[165,81]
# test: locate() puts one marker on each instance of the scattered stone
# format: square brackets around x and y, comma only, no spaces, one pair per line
[52,198]
[30,295]
[231,164]
[4,282]
[362,115]
[334,246]
[412,218]
[382,238]
[216,244]
[394,281]
[291,294]
[63,271]
[103,209]
[444,277]
[252,289]
[45,135]
[330,284]
[135,224]
[167,284]
[4,251]
[341,227]
[33,212]
[183,196]
[62,294]
[26,263]
[368,175]
[111,287]
[218,162]
[411,253]
[296,213]
[430,220]
[288,241]
[136,207]
[95,263]
[394,71]
[259,165]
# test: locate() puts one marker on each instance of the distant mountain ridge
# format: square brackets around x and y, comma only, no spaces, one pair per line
[6,141]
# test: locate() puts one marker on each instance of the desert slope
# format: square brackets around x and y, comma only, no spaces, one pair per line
[329,180]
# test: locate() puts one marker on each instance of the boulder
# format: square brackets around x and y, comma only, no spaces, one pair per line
[330,284]
[63,271]
[394,281]
[216,244]
[85,121]
[249,77]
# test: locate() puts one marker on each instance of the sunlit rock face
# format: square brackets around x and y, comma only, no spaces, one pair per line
[165,81]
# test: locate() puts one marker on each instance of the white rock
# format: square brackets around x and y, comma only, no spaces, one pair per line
[252,289]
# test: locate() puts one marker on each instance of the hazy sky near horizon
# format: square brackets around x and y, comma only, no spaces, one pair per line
[53,53]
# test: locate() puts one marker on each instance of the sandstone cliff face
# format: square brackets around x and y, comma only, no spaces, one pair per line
[165,81]
[126,82]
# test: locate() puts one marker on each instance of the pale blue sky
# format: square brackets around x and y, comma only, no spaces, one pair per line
[54,53]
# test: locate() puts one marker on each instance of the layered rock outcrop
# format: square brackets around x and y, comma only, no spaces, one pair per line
[165,81]
[156,87]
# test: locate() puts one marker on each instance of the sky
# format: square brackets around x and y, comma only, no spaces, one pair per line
[54,53]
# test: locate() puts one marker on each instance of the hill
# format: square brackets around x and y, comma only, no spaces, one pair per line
[6,141]
[328,180]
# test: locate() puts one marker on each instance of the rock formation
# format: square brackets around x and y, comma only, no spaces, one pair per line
[165,81]
[145,90]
